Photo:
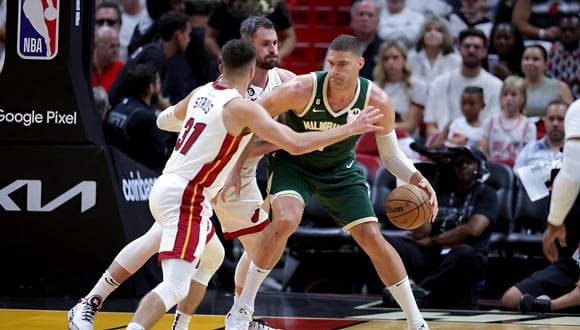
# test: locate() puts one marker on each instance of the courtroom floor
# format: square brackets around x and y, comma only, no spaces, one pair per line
[320,311]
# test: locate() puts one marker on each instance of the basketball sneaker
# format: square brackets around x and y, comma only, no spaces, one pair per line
[529,303]
[423,326]
[239,318]
[260,325]
[82,315]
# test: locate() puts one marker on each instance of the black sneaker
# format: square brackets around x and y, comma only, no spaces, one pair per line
[529,303]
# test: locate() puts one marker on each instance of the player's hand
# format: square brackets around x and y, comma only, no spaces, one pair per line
[362,121]
[425,185]
[232,181]
[551,234]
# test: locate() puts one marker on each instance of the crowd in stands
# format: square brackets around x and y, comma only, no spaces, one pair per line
[494,75]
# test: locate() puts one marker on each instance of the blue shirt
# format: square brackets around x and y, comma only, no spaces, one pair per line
[536,152]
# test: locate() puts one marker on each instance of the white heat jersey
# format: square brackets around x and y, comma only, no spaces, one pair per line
[205,152]
[255,93]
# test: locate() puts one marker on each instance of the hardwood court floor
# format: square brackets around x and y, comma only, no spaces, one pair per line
[292,311]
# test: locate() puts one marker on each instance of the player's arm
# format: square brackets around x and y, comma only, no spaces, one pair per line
[248,114]
[171,119]
[391,155]
[291,95]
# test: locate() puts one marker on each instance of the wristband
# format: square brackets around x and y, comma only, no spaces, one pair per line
[541,34]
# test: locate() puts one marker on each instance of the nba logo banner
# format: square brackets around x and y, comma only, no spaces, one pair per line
[38,29]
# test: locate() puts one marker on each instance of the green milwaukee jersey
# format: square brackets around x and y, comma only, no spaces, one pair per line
[319,116]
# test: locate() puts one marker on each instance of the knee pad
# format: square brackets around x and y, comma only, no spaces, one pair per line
[171,293]
[211,260]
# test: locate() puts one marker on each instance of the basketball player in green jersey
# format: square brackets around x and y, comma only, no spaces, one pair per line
[320,101]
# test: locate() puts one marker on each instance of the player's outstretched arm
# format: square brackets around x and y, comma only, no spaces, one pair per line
[251,115]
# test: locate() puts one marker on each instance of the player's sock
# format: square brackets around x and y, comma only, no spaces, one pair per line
[134,326]
[254,279]
[104,287]
[403,294]
[181,321]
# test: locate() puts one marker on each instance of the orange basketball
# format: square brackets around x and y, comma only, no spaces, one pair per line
[408,207]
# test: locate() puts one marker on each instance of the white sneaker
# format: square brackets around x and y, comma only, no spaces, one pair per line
[82,315]
[260,325]
[239,318]
[423,326]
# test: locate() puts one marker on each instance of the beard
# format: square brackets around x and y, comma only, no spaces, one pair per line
[471,63]
[267,63]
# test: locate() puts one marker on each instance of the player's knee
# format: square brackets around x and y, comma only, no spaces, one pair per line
[211,260]
[171,292]
[511,298]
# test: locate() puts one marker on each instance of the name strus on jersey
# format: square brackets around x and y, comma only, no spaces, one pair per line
[203,103]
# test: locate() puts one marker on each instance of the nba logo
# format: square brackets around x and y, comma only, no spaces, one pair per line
[38,29]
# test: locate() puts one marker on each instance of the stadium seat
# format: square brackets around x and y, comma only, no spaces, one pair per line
[502,180]
[529,223]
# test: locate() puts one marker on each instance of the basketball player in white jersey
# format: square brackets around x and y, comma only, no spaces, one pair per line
[237,210]
[217,124]
[240,210]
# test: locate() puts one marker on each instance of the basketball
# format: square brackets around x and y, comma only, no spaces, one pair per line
[408,207]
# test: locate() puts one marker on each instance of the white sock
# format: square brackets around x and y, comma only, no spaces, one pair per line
[135,326]
[404,296]
[254,279]
[104,287]
[181,321]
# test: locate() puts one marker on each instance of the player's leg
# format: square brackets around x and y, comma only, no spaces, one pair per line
[130,259]
[177,274]
[211,259]
[347,201]
[390,269]
[287,191]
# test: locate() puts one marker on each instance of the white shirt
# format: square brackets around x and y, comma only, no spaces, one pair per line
[127,28]
[444,96]
[424,70]
[403,26]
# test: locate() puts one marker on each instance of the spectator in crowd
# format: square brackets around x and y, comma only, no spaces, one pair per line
[224,24]
[2,31]
[397,22]
[452,251]
[433,54]
[174,30]
[364,22]
[101,99]
[108,13]
[106,64]
[203,67]
[408,94]
[541,89]
[506,47]
[147,31]
[134,13]
[506,133]
[471,14]
[465,130]
[547,149]
[538,19]
[565,54]
[439,8]
[443,101]
[558,281]
[131,124]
